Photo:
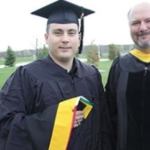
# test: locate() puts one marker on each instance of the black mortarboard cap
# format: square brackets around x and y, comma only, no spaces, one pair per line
[64,12]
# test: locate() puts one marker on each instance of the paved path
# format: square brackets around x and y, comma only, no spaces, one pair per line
[17,65]
[84,59]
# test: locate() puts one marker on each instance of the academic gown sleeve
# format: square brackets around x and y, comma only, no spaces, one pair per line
[110,104]
[101,107]
[20,128]
[13,134]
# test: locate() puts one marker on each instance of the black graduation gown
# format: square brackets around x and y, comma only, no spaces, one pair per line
[128,100]
[27,98]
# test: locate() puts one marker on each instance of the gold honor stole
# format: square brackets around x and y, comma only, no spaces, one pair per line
[144,57]
[64,121]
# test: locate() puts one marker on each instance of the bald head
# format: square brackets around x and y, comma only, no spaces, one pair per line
[139,24]
[137,9]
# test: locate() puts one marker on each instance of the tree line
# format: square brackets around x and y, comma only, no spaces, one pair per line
[92,52]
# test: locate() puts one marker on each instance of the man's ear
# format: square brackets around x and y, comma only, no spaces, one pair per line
[79,38]
[46,38]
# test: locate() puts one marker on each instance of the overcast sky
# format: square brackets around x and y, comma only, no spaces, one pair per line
[19,29]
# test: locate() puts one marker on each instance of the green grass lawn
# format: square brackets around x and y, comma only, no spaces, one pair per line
[2,61]
[18,60]
[104,66]
[6,72]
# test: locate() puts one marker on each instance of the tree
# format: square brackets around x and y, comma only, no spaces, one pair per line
[113,51]
[43,52]
[10,58]
[92,54]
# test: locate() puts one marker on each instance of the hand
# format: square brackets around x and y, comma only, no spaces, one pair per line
[79,116]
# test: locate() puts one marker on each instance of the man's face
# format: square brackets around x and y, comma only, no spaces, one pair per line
[63,41]
[139,22]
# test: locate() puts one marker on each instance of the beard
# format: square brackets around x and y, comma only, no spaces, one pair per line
[143,44]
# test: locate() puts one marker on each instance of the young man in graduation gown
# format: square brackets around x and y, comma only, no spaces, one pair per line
[128,86]
[35,113]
